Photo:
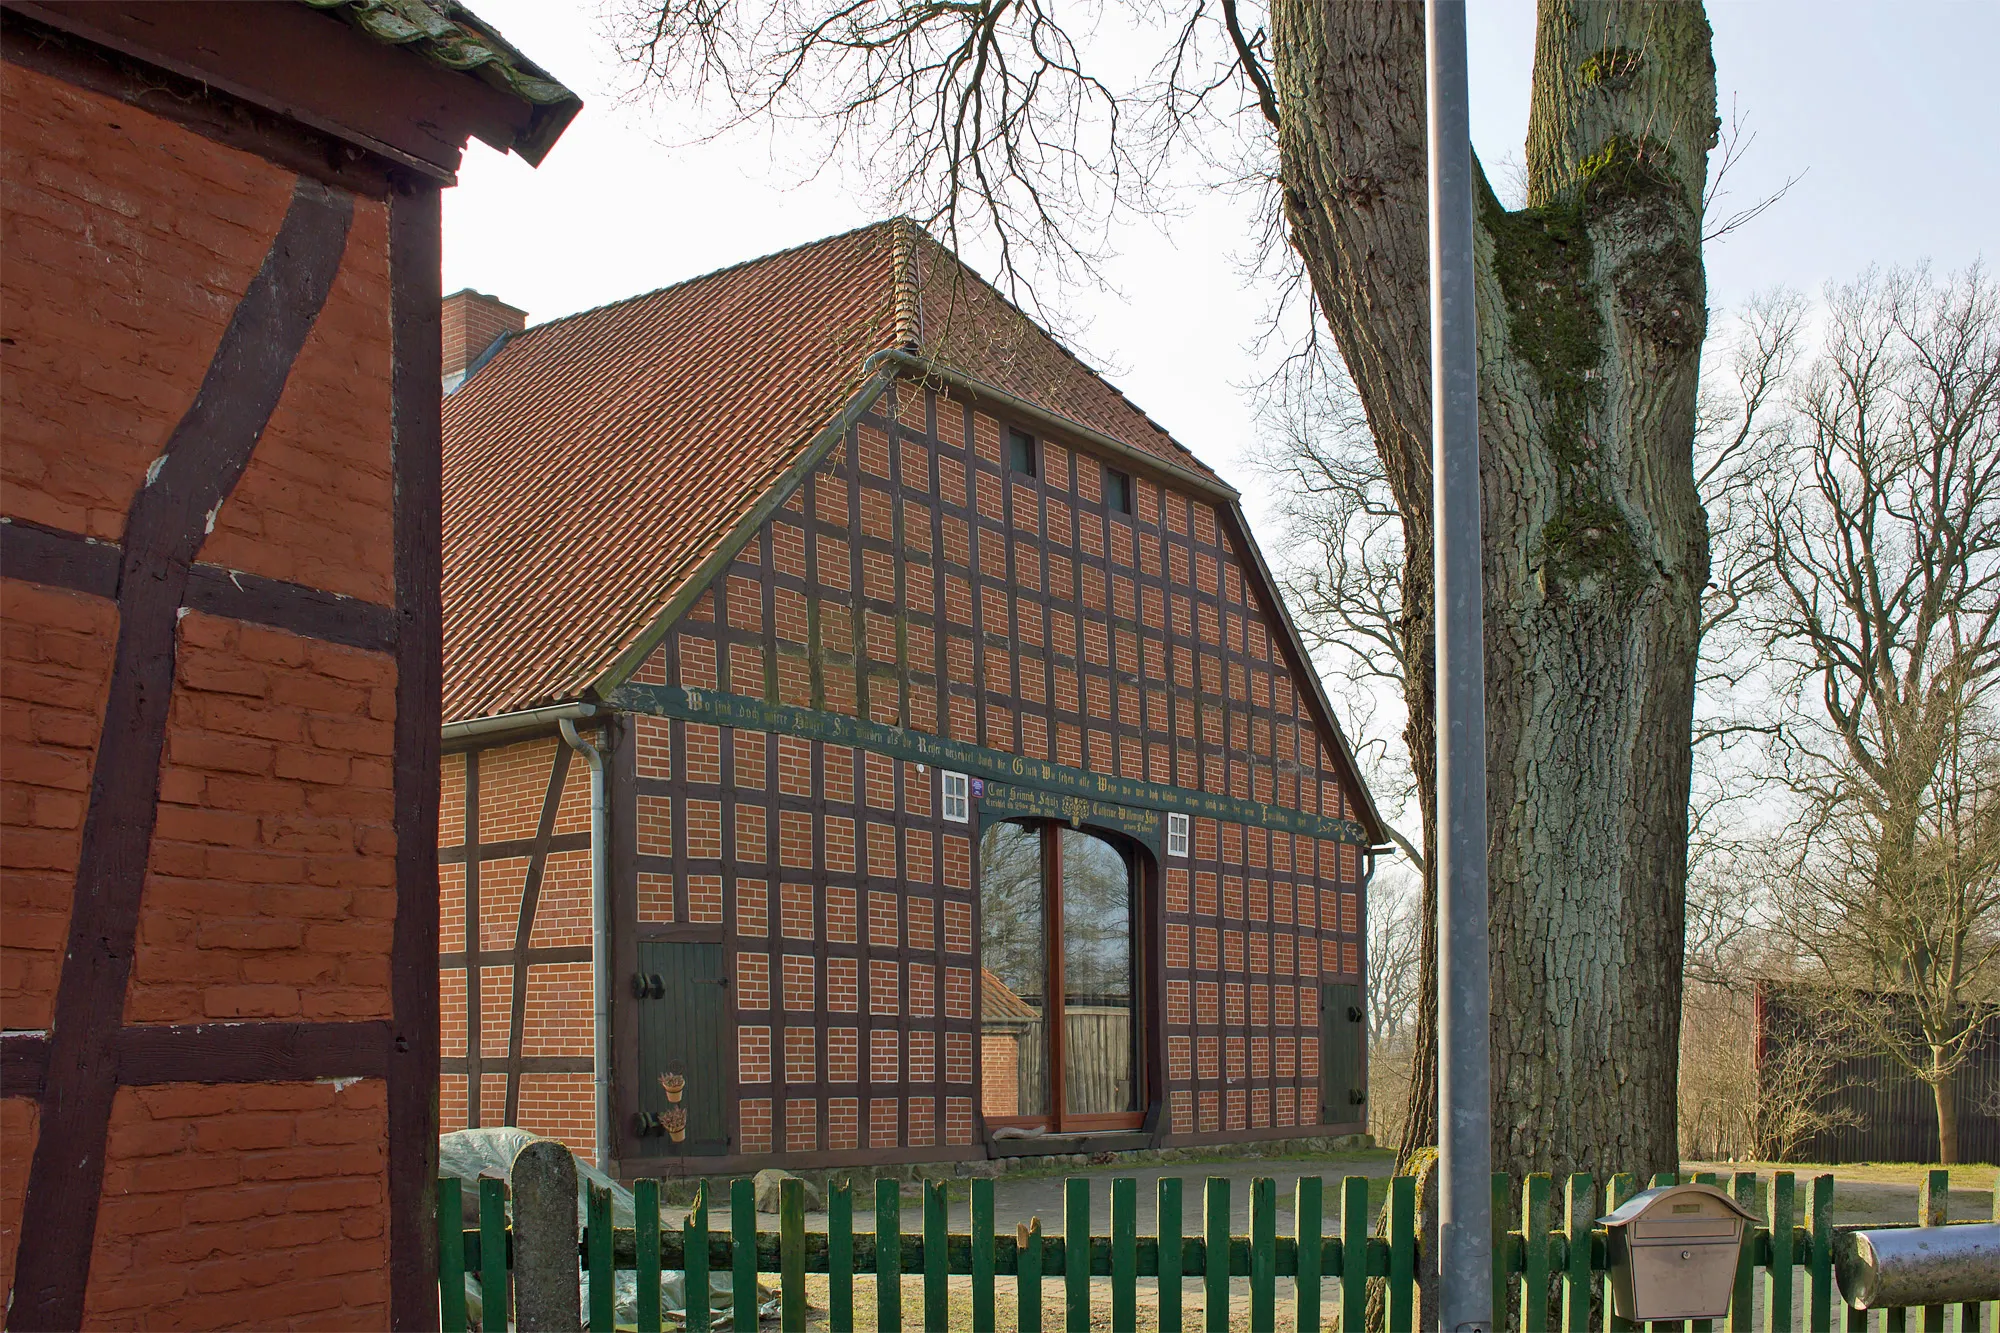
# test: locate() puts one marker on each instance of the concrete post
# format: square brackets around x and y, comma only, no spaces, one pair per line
[545,1253]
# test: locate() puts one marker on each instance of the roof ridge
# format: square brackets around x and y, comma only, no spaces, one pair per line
[906,284]
[712,274]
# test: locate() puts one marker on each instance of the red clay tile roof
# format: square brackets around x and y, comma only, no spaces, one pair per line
[595,462]
[997,1000]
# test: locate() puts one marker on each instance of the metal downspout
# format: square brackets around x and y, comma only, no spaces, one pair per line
[600,946]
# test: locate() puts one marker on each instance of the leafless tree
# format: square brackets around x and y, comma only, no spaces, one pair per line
[1393,931]
[1341,570]
[1881,617]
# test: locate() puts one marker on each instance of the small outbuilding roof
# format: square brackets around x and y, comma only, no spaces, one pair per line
[449,35]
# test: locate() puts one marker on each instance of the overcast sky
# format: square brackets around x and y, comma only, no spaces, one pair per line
[1889,110]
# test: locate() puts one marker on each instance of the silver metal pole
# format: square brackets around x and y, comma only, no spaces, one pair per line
[1465,1148]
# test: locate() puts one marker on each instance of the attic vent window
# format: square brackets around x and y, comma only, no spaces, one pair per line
[1117,491]
[1021,452]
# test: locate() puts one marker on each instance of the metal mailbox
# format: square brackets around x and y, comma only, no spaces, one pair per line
[1673,1252]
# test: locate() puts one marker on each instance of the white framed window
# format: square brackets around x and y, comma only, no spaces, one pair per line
[957,806]
[1177,835]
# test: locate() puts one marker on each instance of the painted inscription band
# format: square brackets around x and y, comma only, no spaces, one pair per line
[1004,800]
[736,710]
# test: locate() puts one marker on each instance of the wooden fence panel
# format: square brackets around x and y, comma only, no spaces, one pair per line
[1552,1251]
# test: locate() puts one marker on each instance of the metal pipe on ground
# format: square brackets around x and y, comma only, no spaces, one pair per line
[1894,1267]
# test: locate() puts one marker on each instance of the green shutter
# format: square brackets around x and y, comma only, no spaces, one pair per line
[684,1028]
[1342,1029]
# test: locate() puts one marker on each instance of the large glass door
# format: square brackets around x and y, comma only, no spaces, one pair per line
[1059,995]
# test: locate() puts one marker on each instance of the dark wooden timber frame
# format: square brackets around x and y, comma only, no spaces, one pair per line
[205,457]
[75,1070]
[416,298]
[519,957]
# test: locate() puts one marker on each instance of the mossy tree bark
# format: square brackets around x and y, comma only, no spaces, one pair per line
[1592,311]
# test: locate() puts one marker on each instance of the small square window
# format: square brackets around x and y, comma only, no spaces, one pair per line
[957,808]
[1117,491]
[1021,452]
[1177,835]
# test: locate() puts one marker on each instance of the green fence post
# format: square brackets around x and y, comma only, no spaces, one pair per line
[1167,1222]
[1124,1253]
[792,1255]
[1819,1273]
[1743,1296]
[1503,1258]
[1934,1210]
[1076,1254]
[937,1257]
[1215,1238]
[1778,1275]
[1028,1278]
[982,1254]
[840,1258]
[1535,1226]
[451,1254]
[1306,1231]
[1579,1224]
[646,1254]
[1263,1254]
[1620,1188]
[603,1274]
[694,1262]
[1353,1252]
[888,1256]
[493,1254]
[743,1255]
[1402,1251]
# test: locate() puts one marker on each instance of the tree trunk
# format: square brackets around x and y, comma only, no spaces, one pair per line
[1591,305]
[1944,1091]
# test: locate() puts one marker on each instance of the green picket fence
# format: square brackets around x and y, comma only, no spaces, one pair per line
[1329,1261]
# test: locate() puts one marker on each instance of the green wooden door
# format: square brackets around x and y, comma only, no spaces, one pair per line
[683,1029]
[1342,1067]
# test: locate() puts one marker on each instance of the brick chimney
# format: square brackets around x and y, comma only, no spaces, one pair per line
[472,320]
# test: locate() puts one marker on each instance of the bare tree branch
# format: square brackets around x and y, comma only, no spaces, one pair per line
[1881,618]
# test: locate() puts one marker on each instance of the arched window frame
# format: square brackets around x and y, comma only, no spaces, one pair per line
[1145,983]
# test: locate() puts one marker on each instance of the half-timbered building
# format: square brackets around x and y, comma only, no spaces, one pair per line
[219,649]
[907,725]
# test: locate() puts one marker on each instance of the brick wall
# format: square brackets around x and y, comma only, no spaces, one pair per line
[270,890]
[491,844]
[916,582]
